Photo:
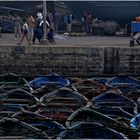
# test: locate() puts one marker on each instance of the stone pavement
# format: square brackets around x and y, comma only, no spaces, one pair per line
[63,41]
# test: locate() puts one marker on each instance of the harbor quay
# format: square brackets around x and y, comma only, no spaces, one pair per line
[71,56]
[81,87]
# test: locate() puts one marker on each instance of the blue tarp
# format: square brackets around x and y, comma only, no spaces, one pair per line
[135,26]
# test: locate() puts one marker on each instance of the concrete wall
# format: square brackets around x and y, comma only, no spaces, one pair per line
[69,61]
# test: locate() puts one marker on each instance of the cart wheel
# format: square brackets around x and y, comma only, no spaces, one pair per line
[131,43]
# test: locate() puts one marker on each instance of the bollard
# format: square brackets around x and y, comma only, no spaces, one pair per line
[0,32]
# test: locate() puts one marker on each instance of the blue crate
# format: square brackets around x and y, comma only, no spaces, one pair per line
[135,26]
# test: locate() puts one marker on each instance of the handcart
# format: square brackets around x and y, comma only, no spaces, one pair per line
[135,33]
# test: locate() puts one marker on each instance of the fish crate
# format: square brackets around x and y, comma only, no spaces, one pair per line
[77,27]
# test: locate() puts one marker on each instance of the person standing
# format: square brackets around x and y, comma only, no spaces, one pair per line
[84,21]
[31,24]
[50,19]
[17,26]
[50,36]
[38,33]
[89,21]
[57,20]
[68,21]
[25,32]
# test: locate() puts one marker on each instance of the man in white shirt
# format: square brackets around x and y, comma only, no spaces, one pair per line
[39,16]
[39,31]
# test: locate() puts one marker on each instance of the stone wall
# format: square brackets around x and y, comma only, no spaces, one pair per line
[129,61]
[41,60]
[69,61]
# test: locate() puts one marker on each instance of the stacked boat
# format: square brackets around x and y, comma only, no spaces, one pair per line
[53,106]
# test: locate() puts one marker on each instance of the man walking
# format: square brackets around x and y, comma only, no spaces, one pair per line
[17,26]
[31,25]
[68,21]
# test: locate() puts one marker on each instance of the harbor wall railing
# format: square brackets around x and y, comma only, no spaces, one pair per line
[69,60]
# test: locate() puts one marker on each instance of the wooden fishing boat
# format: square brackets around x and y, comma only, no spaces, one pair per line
[44,90]
[75,79]
[50,79]
[59,114]
[47,89]
[51,127]
[12,81]
[11,128]
[134,95]
[138,101]
[124,83]
[64,97]
[110,99]
[85,114]
[114,112]
[4,114]
[89,88]
[15,99]
[100,80]
[90,130]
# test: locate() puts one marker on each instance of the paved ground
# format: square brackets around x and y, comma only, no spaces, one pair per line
[62,40]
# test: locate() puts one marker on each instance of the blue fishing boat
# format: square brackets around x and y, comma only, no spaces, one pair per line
[135,122]
[51,127]
[124,83]
[11,128]
[90,130]
[64,97]
[110,99]
[50,79]
[15,99]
